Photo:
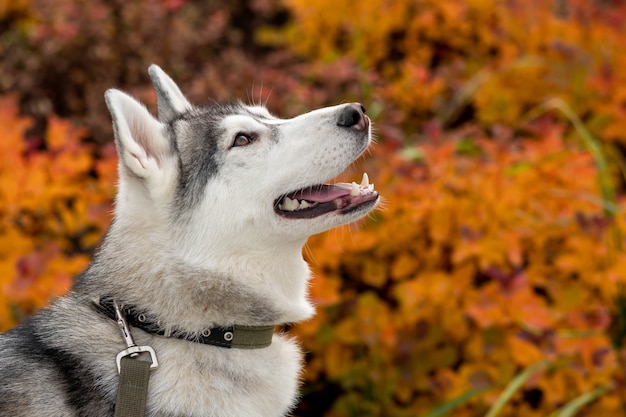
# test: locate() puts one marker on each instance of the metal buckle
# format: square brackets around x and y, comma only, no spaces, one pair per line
[132,349]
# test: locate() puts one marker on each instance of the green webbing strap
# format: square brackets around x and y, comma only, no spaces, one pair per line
[132,392]
[252,337]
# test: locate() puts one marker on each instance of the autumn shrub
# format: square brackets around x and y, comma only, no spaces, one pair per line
[484,61]
[54,206]
[490,254]
[61,56]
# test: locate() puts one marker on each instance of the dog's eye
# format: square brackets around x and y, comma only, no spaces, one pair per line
[243,139]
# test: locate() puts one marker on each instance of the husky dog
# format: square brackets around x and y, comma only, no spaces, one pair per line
[204,255]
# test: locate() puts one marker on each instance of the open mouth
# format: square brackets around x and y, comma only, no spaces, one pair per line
[317,200]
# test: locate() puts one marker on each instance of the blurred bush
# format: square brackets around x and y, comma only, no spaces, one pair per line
[55,199]
[61,56]
[479,61]
[500,243]
[486,258]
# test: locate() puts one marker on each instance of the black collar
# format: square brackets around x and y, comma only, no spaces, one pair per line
[237,336]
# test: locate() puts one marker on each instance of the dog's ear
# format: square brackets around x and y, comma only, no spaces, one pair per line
[141,143]
[170,100]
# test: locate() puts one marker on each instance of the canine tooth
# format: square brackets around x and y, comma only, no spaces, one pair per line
[365,181]
[355,189]
[304,204]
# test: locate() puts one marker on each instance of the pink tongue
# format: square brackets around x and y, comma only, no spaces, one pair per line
[323,193]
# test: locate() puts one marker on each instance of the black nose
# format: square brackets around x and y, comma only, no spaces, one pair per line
[353,115]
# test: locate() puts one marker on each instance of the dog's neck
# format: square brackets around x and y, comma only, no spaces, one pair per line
[256,289]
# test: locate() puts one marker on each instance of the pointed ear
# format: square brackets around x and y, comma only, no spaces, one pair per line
[141,143]
[170,100]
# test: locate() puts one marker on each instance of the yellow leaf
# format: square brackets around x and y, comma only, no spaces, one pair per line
[404,265]
[337,360]
[374,273]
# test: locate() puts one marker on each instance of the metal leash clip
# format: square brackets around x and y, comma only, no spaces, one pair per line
[132,350]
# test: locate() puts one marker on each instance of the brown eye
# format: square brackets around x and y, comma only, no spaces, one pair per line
[242,139]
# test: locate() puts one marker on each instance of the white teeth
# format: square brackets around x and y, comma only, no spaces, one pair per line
[365,181]
[287,204]
[356,190]
[364,188]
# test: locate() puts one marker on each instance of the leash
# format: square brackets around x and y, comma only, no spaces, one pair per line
[134,373]
[132,391]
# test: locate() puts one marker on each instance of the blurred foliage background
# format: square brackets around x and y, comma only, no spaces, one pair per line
[491,282]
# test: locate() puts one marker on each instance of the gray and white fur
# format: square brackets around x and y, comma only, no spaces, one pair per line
[204,234]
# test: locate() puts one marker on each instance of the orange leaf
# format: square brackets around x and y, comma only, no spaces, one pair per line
[523,352]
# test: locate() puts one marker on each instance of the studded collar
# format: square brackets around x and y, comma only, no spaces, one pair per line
[236,336]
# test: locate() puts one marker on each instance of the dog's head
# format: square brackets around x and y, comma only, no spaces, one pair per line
[232,176]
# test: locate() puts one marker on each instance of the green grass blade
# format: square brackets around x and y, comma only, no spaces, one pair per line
[571,408]
[592,145]
[513,386]
[445,408]
[616,155]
